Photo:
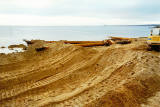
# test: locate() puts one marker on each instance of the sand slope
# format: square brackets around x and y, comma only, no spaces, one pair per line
[67,75]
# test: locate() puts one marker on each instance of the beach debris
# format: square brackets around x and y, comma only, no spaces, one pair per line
[107,42]
[90,44]
[28,42]
[76,42]
[41,48]
[2,47]
[31,42]
[18,46]
[83,42]
[121,40]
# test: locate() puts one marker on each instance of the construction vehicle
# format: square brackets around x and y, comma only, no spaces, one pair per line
[154,39]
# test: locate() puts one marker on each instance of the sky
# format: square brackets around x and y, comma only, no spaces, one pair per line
[79,12]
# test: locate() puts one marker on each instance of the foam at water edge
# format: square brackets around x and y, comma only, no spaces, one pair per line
[6,50]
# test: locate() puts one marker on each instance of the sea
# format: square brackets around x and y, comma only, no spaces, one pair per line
[15,34]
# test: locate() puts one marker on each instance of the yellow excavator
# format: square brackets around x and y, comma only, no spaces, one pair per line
[154,39]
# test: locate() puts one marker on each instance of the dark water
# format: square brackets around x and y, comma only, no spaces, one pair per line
[15,34]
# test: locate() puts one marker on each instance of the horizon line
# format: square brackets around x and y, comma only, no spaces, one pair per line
[91,25]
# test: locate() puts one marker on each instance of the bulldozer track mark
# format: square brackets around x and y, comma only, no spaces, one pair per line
[49,80]
[73,76]
[60,61]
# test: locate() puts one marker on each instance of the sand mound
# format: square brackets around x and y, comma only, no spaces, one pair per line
[67,75]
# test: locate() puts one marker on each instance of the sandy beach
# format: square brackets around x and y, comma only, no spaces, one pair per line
[120,75]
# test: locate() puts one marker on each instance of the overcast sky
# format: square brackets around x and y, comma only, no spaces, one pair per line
[79,12]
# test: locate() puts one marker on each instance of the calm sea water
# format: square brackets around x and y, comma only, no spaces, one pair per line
[15,34]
